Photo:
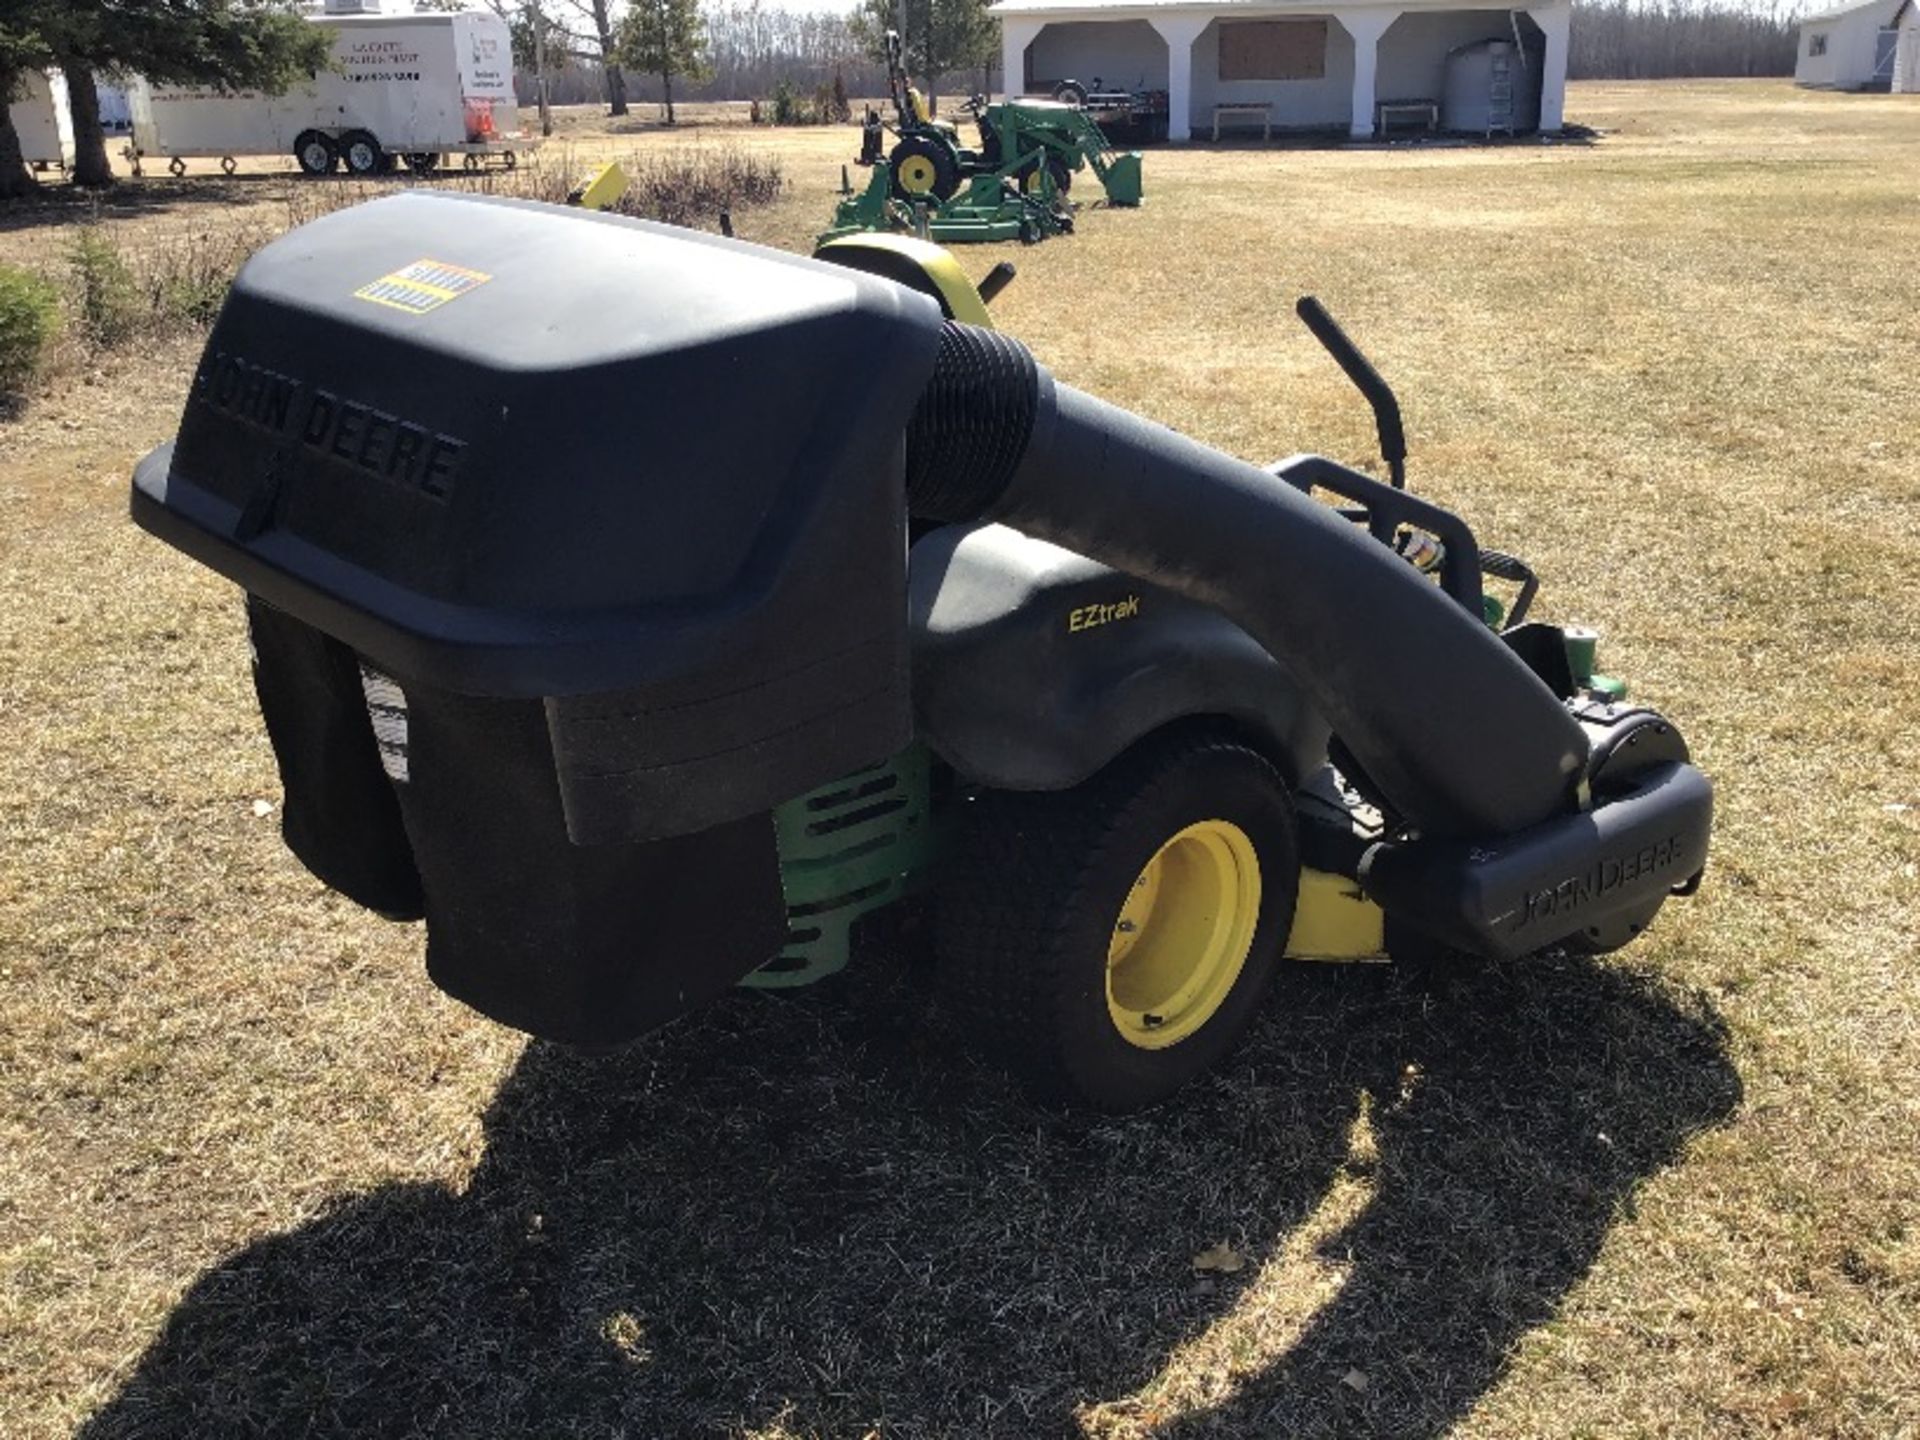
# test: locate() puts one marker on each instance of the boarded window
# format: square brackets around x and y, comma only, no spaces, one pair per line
[1273,50]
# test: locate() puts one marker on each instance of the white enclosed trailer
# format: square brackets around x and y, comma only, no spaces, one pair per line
[412,87]
[42,121]
[115,113]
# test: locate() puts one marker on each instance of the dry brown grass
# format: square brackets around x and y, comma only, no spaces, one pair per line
[256,1176]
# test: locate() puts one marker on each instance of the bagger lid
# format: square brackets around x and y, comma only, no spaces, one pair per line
[525,450]
[514,450]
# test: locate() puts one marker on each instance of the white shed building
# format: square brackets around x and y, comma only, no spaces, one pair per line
[1304,65]
[1906,49]
[1849,48]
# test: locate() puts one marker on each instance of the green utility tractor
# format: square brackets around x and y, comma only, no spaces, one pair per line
[834,595]
[1033,144]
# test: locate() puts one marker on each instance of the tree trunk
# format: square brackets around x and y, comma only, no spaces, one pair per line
[666,87]
[16,181]
[540,68]
[616,82]
[90,167]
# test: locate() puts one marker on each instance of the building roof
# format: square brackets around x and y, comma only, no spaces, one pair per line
[1214,7]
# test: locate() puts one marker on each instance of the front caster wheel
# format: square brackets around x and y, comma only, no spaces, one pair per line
[1113,941]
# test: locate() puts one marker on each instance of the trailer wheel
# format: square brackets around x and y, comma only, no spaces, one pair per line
[361,152]
[471,161]
[176,166]
[228,165]
[511,159]
[1070,92]
[315,153]
[1113,941]
[423,162]
[923,169]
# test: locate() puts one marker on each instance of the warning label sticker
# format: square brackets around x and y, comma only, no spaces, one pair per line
[422,286]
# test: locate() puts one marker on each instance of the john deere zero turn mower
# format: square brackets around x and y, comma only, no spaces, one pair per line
[635,718]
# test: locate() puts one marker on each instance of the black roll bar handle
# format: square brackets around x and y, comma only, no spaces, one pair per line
[1366,379]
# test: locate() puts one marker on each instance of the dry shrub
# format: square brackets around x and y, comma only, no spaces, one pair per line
[186,281]
[692,187]
[680,187]
[106,294]
[29,320]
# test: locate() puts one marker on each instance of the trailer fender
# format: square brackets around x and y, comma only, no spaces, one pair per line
[1035,666]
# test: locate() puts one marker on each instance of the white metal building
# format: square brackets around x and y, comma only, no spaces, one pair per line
[1300,64]
[1906,49]
[1848,48]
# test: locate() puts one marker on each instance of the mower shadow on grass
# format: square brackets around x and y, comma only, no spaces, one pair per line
[798,1214]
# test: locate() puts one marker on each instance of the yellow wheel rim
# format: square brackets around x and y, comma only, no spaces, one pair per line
[1035,180]
[917,175]
[1183,935]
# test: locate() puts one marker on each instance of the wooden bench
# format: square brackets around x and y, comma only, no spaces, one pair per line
[1262,112]
[1425,111]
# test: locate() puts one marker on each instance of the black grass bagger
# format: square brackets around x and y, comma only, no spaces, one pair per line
[587,627]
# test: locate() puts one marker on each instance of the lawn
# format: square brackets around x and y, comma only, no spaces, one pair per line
[258,1177]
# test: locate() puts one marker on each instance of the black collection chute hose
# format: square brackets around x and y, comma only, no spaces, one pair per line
[1451,725]
[973,423]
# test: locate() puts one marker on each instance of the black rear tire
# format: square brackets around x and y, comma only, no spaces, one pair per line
[928,158]
[315,153]
[1029,903]
[361,153]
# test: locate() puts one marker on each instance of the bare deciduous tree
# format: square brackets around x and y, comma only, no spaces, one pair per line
[600,39]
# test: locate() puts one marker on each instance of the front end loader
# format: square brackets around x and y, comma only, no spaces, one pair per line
[677,708]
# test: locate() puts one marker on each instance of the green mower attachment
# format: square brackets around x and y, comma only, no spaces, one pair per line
[625,727]
[991,208]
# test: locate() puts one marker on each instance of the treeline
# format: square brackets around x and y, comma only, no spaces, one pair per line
[752,48]
[1679,39]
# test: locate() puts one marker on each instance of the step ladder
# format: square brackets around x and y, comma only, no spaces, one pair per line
[1500,95]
